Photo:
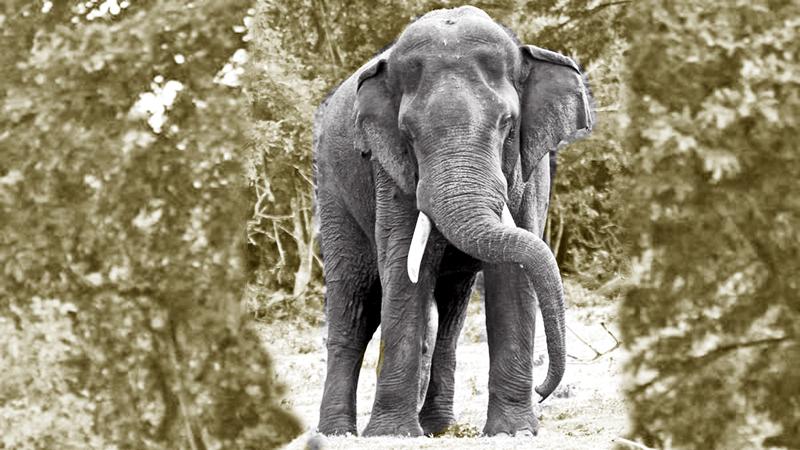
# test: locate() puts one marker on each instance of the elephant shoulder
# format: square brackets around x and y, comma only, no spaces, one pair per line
[332,118]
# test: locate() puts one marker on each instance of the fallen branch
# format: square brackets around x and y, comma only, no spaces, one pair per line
[583,341]
[616,341]
[597,354]
[633,444]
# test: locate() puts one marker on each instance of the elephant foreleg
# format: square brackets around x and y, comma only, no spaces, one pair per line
[510,318]
[352,304]
[405,324]
[452,296]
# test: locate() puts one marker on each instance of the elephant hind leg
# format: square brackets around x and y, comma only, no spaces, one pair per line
[453,288]
[353,306]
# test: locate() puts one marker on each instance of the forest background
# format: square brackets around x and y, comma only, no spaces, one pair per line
[156,200]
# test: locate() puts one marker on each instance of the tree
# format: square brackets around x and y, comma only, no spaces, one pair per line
[713,324]
[123,209]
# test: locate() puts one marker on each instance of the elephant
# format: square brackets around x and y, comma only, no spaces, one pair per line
[429,166]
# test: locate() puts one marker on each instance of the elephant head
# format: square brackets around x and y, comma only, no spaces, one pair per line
[454,112]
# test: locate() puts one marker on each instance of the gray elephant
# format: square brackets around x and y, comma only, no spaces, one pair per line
[430,166]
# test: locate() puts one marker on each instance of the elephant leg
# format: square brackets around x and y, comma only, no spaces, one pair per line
[352,305]
[405,324]
[452,292]
[510,318]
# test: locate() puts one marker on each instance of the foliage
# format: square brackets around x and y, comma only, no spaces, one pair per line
[35,389]
[122,202]
[713,324]
[460,430]
[301,50]
[587,206]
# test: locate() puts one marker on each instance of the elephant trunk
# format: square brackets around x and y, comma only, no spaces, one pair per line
[468,213]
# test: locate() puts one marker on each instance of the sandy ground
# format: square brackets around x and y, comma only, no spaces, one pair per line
[585,412]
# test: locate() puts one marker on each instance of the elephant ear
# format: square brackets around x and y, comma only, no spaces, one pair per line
[376,126]
[555,105]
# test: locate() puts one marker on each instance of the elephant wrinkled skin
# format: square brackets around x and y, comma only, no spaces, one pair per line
[443,137]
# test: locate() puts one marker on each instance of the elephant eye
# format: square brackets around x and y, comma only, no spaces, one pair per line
[508,128]
[403,128]
[505,121]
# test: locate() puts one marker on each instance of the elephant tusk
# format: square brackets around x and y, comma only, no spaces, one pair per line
[417,249]
[508,220]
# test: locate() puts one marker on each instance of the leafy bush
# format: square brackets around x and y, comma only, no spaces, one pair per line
[713,324]
[123,213]
[39,407]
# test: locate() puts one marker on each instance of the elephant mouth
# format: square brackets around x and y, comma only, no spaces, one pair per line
[422,231]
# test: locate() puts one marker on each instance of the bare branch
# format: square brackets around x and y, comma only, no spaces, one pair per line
[256,230]
[272,217]
[692,363]
[318,261]
[261,194]
[597,354]
[633,444]
[559,235]
[722,350]
[616,341]
[281,252]
[324,27]
[303,175]
[588,13]
[195,440]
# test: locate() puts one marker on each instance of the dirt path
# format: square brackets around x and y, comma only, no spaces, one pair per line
[585,412]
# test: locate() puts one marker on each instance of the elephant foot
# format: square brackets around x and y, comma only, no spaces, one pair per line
[336,429]
[521,433]
[435,422]
[390,427]
[337,425]
[520,423]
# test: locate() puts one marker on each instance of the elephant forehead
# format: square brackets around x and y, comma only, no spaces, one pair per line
[453,32]
[454,13]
